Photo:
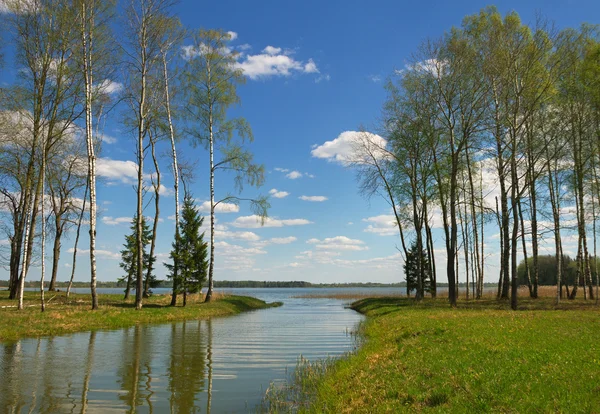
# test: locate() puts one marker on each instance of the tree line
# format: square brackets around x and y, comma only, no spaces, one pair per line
[79,65]
[494,124]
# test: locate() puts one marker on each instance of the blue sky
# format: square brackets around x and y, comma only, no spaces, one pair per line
[333,58]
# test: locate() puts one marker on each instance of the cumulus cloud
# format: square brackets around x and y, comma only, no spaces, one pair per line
[237,235]
[232,35]
[273,61]
[338,243]
[311,67]
[294,175]
[110,87]
[219,208]
[254,222]
[270,50]
[235,250]
[313,198]
[352,147]
[283,170]
[384,225]
[278,194]
[116,170]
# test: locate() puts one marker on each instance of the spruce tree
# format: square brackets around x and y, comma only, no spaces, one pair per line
[190,259]
[129,255]
[411,269]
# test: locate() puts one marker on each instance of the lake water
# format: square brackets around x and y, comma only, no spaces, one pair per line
[223,365]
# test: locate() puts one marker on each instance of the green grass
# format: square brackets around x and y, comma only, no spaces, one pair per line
[477,358]
[75,315]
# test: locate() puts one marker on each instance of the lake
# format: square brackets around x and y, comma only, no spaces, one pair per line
[223,365]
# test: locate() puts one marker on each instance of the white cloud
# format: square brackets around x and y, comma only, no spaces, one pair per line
[116,170]
[106,138]
[219,208]
[270,50]
[283,170]
[313,198]
[237,235]
[351,147]
[375,78]
[235,250]
[165,191]
[109,87]
[278,194]
[338,243]
[384,225]
[254,221]
[113,221]
[232,35]
[311,67]
[104,254]
[294,175]
[274,62]
[283,240]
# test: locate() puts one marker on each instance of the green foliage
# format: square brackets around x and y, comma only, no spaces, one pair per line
[129,255]
[189,254]
[411,269]
[547,270]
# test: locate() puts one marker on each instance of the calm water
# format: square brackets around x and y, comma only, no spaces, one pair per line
[220,365]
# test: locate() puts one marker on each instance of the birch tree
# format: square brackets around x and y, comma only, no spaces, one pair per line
[211,79]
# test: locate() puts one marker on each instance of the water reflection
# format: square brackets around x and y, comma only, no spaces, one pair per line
[223,365]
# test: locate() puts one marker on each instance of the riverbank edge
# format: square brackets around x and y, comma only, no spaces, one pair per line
[401,365]
[73,316]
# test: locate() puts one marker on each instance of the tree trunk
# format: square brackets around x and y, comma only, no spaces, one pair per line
[156,216]
[87,24]
[175,176]
[56,253]
[211,265]
[79,222]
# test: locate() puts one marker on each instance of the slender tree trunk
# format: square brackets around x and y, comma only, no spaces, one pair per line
[56,252]
[211,266]
[515,219]
[140,179]
[175,176]
[156,216]
[430,251]
[477,266]
[87,24]
[79,222]
[524,245]
[43,220]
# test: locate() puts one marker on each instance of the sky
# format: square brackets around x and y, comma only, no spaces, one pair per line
[315,72]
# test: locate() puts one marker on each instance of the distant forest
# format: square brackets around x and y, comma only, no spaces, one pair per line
[238,284]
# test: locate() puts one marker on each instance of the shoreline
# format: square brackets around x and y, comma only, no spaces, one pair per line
[474,358]
[75,315]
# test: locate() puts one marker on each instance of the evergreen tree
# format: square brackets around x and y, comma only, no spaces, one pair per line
[411,269]
[129,256]
[190,260]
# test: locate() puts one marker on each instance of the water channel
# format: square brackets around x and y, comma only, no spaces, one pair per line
[223,365]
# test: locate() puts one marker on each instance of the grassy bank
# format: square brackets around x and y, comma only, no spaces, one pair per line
[476,358]
[74,315]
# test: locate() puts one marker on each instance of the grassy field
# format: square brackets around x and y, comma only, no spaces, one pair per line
[74,315]
[480,357]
